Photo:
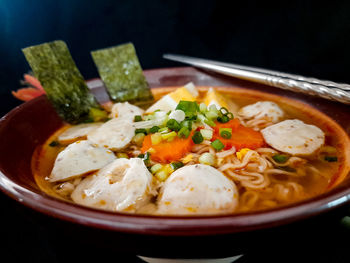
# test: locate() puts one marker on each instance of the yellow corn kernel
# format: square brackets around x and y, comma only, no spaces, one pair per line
[187,158]
[240,155]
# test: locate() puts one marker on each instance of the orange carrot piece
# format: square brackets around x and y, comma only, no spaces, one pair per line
[242,137]
[168,151]
[33,81]
[233,124]
[26,94]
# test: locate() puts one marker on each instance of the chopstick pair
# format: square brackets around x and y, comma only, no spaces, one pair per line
[322,88]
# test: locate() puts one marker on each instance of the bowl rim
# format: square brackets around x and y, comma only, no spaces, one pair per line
[169,225]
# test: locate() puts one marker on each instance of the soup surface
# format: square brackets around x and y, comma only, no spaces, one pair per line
[196,151]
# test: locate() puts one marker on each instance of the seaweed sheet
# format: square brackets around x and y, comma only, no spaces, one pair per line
[121,72]
[53,65]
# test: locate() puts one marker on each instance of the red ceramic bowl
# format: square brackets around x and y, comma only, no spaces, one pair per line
[30,124]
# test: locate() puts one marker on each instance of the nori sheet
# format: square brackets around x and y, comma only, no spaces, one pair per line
[121,72]
[65,87]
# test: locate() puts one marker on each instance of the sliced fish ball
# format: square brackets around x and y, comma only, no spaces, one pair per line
[114,134]
[77,132]
[197,189]
[80,158]
[266,110]
[125,111]
[123,185]
[294,137]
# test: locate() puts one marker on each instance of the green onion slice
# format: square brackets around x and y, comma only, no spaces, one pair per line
[280,158]
[225,133]
[173,125]
[217,145]
[154,129]
[184,132]
[176,165]
[197,137]
[137,118]
[141,131]
[223,119]
[331,158]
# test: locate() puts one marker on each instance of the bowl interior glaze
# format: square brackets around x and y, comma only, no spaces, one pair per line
[30,124]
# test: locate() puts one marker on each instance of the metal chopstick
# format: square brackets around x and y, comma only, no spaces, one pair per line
[325,89]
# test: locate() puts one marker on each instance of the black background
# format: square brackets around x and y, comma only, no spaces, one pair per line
[306,37]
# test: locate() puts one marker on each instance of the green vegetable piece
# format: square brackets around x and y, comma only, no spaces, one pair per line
[154,129]
[189,107]
[97,115]
[65,87]
[187,124]
[223,119]
[197,137]
[173,125]
[225,133]
[280,158]
[331,158]
[137,118]
[141,131]
[121,72]
[122,155]
[54,144]
[183,132]
[217,145]
[176,165]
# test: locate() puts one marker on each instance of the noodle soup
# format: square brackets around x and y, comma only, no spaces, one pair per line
[196,151]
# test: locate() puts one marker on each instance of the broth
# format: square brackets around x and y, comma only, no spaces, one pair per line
[283,188]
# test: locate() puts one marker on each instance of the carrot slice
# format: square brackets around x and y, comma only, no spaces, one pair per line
[26,94]
[233,124]
[168,151]
[242,137]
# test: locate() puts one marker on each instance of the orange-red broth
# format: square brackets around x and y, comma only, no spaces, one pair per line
[332,173]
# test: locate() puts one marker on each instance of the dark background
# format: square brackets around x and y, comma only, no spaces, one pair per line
[305,37]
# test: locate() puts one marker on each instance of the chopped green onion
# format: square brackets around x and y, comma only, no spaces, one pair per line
[331,158]
[137,118]
[224,111]
[176,165]
[138,139]
[164,130]
[280,158]
[173,125]
[122,155]
[207,158]
[156,138]
[169,136]
[190,108]
[154,129]
[202,107]
[197,137]
[211,115]
[162,175]
[223,119]
[54,144]
[225,133]
[187,124]
[230,115]
[141,156]
[97,114]
[217,145]
[209,122]
[147,158]
[206,133]
[213,108]
[155,168]
[183,132]
[141,131]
